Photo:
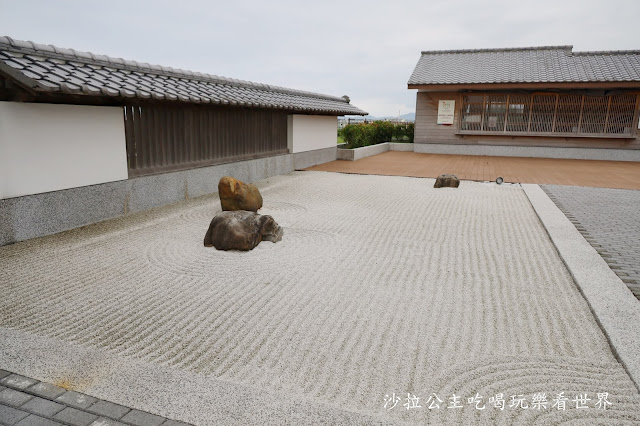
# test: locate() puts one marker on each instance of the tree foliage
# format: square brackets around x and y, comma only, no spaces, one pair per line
[365,134]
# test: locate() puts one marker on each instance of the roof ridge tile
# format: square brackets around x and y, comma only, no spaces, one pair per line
[544,64]
[19,44]
[605,52]
[60,70]
[498,49]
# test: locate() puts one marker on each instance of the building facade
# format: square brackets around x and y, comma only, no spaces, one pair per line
[537,101]
[86,137]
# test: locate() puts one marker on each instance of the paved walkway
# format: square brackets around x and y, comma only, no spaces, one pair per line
[28,402]
[604,174]
[610,220]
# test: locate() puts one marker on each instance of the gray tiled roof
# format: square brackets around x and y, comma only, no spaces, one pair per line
[46,68]
[546,64]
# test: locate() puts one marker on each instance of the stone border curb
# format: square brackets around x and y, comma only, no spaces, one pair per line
[609,154]
[603,154]
[615,308]
[368,151]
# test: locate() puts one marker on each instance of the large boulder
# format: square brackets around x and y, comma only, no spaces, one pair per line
[447,181]
[237,195]
[241,230]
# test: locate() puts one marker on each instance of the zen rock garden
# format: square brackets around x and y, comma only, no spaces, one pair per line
[239,226]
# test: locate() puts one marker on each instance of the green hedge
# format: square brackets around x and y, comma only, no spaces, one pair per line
[358,135]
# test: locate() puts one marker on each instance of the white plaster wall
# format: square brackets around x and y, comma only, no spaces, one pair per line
[310,132]
[47,147]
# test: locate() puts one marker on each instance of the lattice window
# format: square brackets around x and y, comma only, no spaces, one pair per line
[594,114]
[547,113]
[518,116]
[495,109]
[543,108]
[568,114]
[621,114]
[472,108]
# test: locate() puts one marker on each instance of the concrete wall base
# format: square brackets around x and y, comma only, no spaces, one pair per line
[368,151]
[48,213]
[530,151]
[302,160]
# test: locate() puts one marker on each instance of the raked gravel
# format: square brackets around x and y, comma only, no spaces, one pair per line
[380,285]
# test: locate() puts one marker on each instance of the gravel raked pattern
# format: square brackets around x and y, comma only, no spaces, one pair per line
[380,285]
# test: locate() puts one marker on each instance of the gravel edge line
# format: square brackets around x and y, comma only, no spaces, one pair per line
[613,305]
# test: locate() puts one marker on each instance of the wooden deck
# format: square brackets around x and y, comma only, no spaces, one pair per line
[595,173]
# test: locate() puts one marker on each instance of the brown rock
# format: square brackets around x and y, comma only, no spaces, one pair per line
[237,195]
[241,230]
[447,181]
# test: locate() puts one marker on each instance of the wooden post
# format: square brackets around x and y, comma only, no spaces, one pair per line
[636,123]
[580,118]
[506,114]
[606,119]
[484,105]
[530,113]
[139,137]
[555,114]
[460,109]
[130,137]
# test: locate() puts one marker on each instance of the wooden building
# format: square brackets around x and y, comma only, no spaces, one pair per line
[534,101]
[87,137]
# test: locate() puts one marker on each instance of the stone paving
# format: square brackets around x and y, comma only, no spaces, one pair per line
[28,402]
[610,220]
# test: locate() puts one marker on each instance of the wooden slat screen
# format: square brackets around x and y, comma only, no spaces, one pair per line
[495,107]
[594,114]
[472,112]
[518,113]
[621,114]
[542,112]
[549,113]
[166,138]
[568,114]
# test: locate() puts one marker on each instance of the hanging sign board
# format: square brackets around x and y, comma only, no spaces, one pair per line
[446,111]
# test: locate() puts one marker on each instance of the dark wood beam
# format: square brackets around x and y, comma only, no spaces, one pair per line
[524,86]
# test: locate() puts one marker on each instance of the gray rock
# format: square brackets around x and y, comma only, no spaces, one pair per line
[241,230]
[447,181]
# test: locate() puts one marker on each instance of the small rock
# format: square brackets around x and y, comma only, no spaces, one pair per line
[237,195]
[447,181]
[241,230]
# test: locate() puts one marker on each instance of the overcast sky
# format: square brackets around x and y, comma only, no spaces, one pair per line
[366,50]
